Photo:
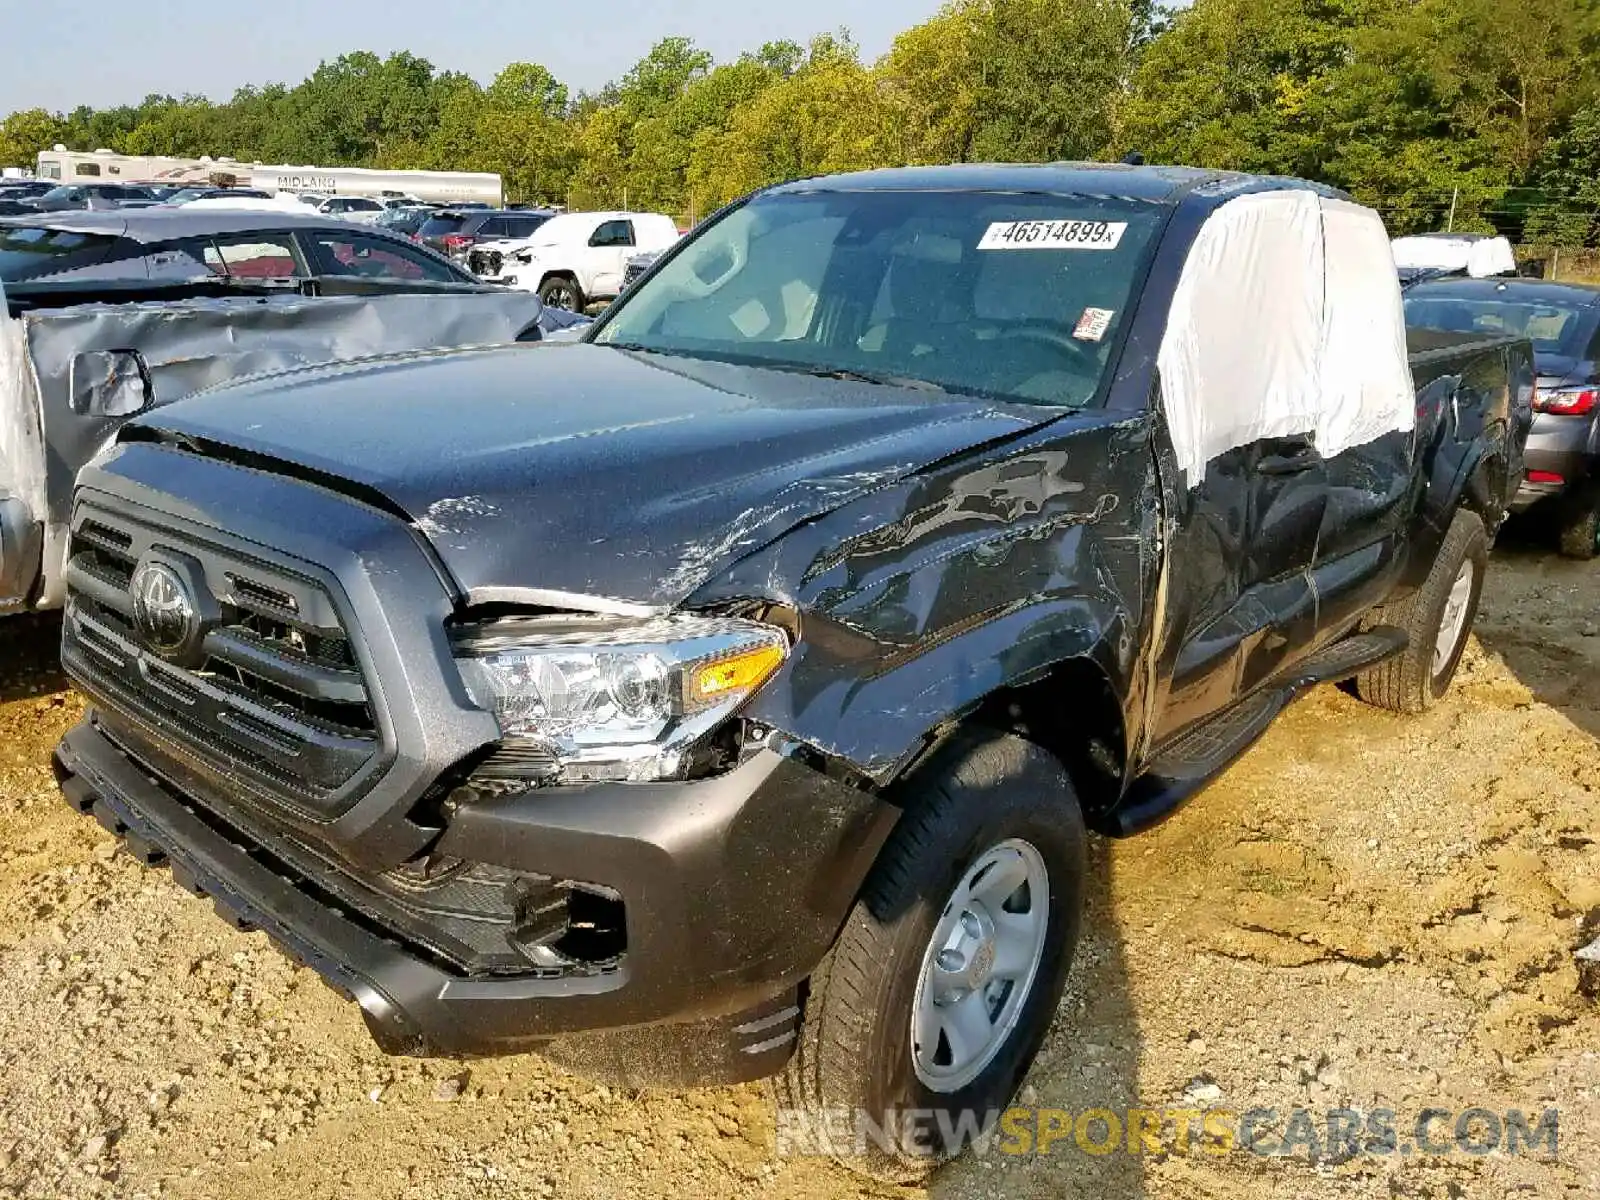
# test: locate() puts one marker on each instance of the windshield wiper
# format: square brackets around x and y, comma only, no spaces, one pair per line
[845,374]
[850,375]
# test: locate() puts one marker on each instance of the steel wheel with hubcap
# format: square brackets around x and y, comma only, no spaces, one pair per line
[1453,624]
[942,986]
[980,965]
[1436,617]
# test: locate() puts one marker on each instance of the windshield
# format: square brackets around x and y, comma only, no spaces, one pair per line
[1553,328]
[1015,296]
[28,253]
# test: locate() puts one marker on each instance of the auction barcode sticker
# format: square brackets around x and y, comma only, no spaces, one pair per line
[1053,235]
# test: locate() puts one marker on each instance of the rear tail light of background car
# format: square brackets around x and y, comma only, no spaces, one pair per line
[1567,402]
[1545,477]
[454,242]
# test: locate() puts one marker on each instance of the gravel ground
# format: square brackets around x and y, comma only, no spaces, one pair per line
[1366,911]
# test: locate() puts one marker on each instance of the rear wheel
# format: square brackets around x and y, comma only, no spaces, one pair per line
[926,1015]
[1438,616]
[562,291]
[1580,524]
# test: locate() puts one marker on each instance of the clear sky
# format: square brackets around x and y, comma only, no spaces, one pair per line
[57,54]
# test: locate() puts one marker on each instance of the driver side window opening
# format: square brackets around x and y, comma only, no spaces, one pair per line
[613,234]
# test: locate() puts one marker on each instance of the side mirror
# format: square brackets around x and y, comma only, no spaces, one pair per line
[110,383]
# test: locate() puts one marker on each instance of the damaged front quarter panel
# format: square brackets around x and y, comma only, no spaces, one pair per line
[918,601]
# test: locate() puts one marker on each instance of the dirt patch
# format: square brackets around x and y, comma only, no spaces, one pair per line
[1367,911]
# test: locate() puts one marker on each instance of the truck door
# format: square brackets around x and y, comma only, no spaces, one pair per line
[1240,391]
[1288,504]
[610,247]
[1369,415]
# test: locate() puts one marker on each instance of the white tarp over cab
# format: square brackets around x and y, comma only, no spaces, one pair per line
[1287,320]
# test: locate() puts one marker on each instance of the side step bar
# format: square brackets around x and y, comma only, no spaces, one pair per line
[1187,765]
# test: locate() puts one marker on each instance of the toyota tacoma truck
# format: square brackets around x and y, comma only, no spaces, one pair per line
[728,694]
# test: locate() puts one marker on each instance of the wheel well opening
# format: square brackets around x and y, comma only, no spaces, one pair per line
[1074,713]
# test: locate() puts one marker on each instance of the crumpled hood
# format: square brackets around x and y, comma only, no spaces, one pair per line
[588,470]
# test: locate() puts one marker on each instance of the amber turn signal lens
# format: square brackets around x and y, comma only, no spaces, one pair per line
[744,672]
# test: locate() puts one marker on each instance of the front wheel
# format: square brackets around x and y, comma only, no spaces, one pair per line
[1438,616]
[928,1012]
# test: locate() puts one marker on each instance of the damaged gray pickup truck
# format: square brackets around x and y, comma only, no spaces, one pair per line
[729,694]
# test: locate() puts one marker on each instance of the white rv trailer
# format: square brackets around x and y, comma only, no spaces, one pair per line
[107,166]
[444,187]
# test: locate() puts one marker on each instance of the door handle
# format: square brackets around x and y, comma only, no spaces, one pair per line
[1294,460]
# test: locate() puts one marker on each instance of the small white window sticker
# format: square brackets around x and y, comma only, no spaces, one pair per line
[1094,323]
[1053,235]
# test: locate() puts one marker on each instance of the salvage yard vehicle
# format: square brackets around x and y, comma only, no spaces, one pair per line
[455,231]
[198,240]
[1562,320]
[76,197]
[637,265]
[728,694]
[178,197]
[578,259]
[358,209]
[405,219]
[1478,255]
[78,358]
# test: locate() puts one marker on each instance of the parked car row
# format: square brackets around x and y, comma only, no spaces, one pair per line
[197,242]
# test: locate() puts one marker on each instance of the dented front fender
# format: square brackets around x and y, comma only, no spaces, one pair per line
[922,598]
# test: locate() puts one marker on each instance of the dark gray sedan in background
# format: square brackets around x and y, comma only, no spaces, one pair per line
[1563,322]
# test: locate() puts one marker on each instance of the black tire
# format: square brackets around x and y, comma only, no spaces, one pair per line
[1580,524]
[855,1053]
[563,292]
[1410,683]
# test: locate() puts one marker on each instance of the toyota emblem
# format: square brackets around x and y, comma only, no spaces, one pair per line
[164,610]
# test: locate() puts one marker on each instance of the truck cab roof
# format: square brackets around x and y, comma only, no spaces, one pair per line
[1160,185]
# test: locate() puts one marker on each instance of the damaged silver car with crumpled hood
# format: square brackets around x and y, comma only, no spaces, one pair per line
[79,358]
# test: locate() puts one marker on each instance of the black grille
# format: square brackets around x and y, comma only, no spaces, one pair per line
[485,262]
[275,696]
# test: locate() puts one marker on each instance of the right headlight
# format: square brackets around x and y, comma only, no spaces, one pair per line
[581,702]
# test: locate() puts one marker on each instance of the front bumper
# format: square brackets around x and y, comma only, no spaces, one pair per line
[734,887]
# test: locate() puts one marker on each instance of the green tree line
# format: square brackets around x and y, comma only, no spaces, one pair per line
[1484,113]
